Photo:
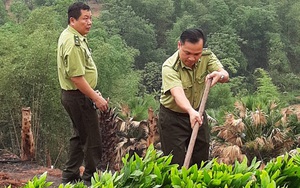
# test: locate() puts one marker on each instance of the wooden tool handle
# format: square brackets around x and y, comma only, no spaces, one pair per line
[196,127]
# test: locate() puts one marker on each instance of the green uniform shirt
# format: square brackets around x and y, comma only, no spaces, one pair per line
[74,59]
[192,80]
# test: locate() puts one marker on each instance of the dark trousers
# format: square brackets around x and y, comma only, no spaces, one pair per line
[175,133]
[85,144]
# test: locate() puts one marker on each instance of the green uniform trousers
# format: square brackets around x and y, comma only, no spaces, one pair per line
[175,133]
[85,144]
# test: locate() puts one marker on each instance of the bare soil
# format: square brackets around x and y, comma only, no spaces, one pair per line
[17,173]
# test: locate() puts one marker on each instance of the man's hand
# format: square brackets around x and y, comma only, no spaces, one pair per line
[101,103]
[84,87]
[195,118]
[215,76]
[183,103]
[221,76]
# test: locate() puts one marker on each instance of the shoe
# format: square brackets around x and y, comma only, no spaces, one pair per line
[71,180]
[87,183]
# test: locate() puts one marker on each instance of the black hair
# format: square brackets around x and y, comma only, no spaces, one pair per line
[192,35]
[74,10]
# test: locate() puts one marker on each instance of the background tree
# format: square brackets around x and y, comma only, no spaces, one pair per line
[262,20]
[3,14]
[152,77]
[173,34]
[10,99]
[20,10]
[158,12]
[137,32]
[115,60]
[266,88]
[225,44]
[291,26]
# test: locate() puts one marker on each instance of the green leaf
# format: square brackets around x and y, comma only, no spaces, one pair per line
[272,184]
[149,168]
[275,175]
[215,182]
[248,185]
[157,172]
[207,177]
[265,179]
[136,173]
[240,167]
[184,173]
[175,181]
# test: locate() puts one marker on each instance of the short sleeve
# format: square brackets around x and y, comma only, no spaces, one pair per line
[74,61]
[214,63]
[170,79]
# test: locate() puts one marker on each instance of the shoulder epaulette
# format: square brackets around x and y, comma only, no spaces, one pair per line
[206,52]
[76,40]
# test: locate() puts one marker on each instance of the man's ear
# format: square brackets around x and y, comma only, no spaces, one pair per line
[72,21]
[178,44]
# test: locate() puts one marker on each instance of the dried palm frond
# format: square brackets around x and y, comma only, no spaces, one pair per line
[286,113]
[261,134]
[133,140]
[120,137]
[239,125]
[229,119]
[108,123]
[239,142]
[270,145]
[261,141]
[258,118]
[124,110]
[277,136]
[230,154]
[273,105]
[281,139]
[242,109]
[153,137]
[231,131]
[211,120]
[278,123]
[294,152]
[223,134]
[298,116]
[135,137]
[216,148]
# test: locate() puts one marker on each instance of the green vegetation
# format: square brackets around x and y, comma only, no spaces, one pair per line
[257,42]
[154,171]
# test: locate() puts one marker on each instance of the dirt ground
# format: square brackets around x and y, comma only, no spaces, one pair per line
[17,173]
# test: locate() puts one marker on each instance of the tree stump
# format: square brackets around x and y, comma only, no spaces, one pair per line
[27,142]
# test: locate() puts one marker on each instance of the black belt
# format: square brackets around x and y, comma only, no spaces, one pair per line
[72,92]
[171,111]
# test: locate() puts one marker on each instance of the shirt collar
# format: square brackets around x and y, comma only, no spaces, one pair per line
[178,63]
[184,66]
[75,32]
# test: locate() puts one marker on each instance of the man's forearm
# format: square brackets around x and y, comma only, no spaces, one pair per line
[84,87]
[181,99]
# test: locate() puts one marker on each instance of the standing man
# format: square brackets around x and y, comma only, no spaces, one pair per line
[183,82]
[78,76]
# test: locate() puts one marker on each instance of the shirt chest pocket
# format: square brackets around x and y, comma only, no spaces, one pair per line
[188,88]
[200,79]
